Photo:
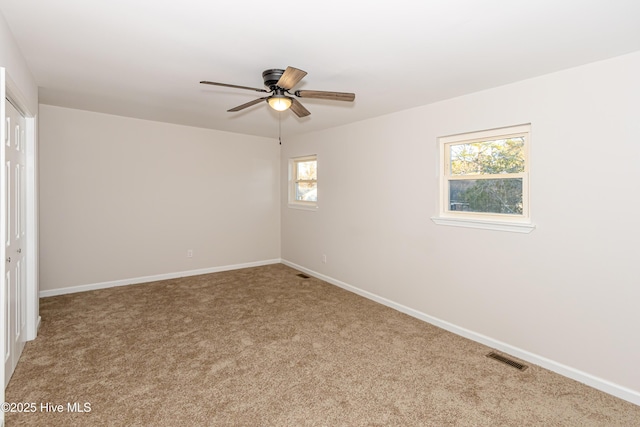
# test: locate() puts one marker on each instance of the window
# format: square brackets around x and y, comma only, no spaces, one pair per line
[303,182]
[484,179]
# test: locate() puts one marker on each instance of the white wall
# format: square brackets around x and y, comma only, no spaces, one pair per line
[567,293]
[124,198]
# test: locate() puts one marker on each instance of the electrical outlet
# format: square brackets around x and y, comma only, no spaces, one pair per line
[189,253]
[324,258]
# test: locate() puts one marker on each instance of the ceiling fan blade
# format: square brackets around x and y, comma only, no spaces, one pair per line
[204,82]
[321,94]
[290,78]
[248,104]
[298,108]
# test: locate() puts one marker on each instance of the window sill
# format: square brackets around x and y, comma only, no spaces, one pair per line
[303,207]
[514,227]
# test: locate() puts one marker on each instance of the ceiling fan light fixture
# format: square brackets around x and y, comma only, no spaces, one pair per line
[279,102]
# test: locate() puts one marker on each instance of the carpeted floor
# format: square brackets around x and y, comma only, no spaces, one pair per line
[264,347]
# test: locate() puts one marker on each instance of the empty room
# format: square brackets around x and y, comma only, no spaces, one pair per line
[320,213]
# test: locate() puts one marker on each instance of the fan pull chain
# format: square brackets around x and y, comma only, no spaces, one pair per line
[280,128]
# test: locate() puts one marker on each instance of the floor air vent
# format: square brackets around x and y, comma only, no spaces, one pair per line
[304,276]
[507,361]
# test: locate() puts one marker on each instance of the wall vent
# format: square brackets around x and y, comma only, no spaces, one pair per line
[304,276]
[507,361]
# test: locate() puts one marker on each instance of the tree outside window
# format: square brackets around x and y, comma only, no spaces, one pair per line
[497,159]
[485,174]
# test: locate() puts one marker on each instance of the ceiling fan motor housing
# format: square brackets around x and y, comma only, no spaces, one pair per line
[271,77]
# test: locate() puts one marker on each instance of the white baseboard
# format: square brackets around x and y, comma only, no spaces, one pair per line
[613,389]
[154,278]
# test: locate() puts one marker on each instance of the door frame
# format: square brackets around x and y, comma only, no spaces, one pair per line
[8,89]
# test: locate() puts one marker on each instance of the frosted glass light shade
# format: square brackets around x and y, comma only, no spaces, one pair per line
[279,102]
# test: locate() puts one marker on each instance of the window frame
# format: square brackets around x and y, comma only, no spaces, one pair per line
[293,180]
[486,220]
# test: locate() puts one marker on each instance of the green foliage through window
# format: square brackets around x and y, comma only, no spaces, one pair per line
[502,196]
[488,157]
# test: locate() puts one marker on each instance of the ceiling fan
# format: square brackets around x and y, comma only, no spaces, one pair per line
[279,83]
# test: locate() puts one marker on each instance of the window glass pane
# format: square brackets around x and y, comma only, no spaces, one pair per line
[306,170]
[498,156]
[503,196]
[307,191]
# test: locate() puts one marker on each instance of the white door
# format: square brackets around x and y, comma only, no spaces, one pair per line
[14,230]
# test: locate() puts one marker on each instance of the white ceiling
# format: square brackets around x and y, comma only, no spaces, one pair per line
[145,58]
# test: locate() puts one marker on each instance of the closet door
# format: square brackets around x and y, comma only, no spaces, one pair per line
[14,232]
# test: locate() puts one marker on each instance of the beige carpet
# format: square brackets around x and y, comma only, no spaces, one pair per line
[264,347]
